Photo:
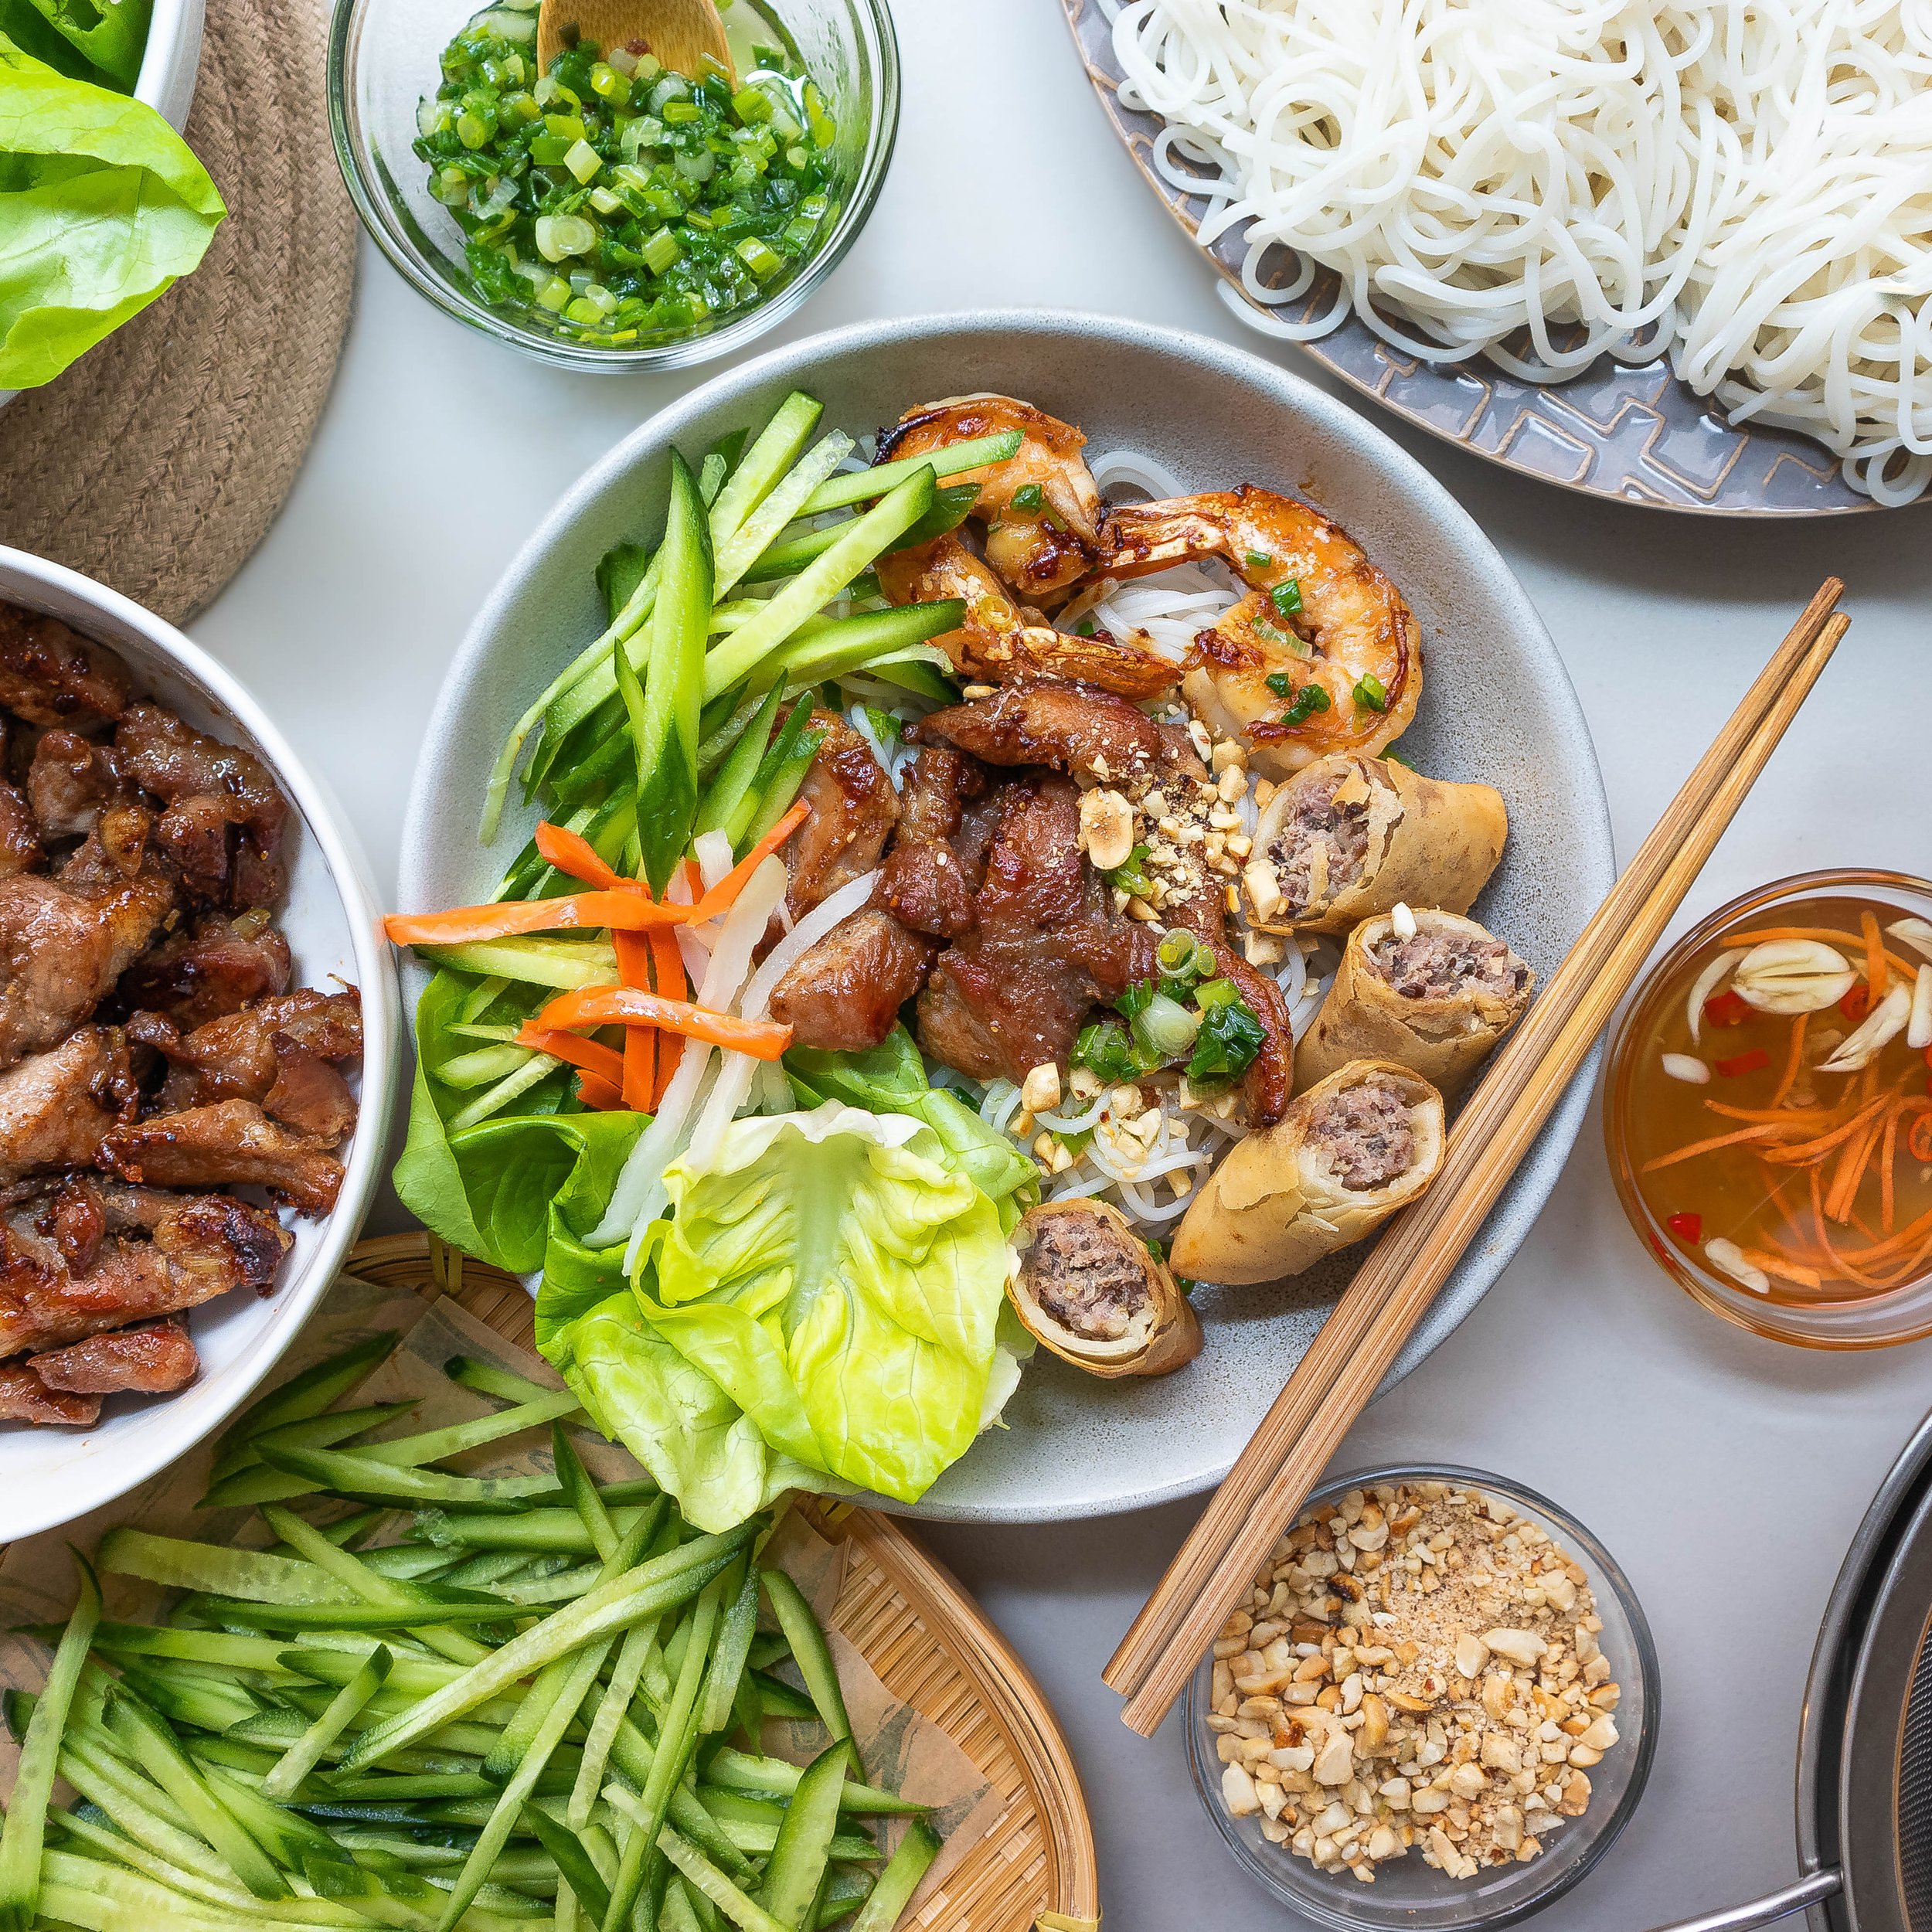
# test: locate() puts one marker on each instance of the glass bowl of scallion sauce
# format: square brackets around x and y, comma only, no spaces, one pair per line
[603,212]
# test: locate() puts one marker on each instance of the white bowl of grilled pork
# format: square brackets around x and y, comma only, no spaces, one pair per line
[189,1141]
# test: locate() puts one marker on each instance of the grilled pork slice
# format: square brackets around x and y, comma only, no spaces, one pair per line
[928,882]
[280,1052]
[845,993]
[208,787]
[161,1254]
[50,676]
[151,1359]
[1071,727]
[57,1107]
[19,835]
[222,966]
[60,951]
[69,781]
[24,1397]
[854,809]
[1012,993]
[232,1143]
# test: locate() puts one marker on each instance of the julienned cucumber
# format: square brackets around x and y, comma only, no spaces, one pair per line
[825,578]
[666,730]
[954,459]
[311,1777]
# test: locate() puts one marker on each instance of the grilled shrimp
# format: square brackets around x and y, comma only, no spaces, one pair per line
[1040,507]
[1321,655]
[1001,642]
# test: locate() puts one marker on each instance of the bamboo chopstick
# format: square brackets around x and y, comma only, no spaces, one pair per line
[1361,1337]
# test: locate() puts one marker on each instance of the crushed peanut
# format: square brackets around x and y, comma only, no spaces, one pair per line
[1417,1669]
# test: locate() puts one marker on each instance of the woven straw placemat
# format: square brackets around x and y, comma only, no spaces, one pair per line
[158,462]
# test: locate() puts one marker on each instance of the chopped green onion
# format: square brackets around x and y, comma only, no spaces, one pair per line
[1281,683]
[1259,560]
[1029,496]
[1369,690]
[1286,596]
[1309,700]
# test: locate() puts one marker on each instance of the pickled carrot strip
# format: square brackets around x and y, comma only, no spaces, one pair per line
[1887,1216]
[764,1039]
[599,1095]
[1850,1174]
[1918,1138]
[667,969]
[604,1063]
[722,895]
[1773,1263]
[1875,973]
[636,953]
[1816,1149]
[573,855]
[1794,1061]
[505,918]
[1705,1146]
[1793,1116]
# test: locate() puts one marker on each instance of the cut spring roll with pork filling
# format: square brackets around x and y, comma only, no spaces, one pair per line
[1430,989]
[1348,837]
[1091,1290]
[1349,1152]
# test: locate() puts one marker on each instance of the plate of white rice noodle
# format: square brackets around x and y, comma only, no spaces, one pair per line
[1676,251]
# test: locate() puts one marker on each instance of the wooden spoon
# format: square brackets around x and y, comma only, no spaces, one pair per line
[680,33]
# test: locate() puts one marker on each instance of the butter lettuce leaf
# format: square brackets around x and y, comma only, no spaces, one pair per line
[102,207]
[841,1282]
[890,1078]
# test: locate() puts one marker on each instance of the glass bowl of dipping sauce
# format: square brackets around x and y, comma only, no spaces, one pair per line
[622,234]
[1415,1890]
[1769,1116]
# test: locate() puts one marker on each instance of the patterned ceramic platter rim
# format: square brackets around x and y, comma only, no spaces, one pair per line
[1631,432]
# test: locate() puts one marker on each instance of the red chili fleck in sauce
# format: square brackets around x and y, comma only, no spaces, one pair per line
[1743,1063]
[1687,1227]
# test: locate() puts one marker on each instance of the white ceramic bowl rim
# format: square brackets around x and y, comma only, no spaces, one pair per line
[167,1427]
[1591,860]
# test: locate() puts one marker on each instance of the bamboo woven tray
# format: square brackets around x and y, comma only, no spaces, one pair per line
[926,1638]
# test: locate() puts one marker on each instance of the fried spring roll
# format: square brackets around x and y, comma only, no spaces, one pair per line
[1436,999]
[1349,1152]
[1349,837]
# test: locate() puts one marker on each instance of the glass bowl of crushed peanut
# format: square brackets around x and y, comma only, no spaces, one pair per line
[1436,1707]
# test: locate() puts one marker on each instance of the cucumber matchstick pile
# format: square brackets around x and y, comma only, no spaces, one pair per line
[541,1707]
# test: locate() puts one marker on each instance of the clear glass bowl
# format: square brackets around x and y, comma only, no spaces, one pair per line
[1407,1893]
[1863,1319]
[384,55]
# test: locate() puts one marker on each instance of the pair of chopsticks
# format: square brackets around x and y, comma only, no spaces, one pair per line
[1361,1337]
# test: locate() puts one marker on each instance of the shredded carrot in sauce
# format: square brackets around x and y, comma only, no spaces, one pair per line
[1875,974]
[1794,1061]
[1704,1147]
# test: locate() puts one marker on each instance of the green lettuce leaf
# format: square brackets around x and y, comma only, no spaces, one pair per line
[108,36]
[890,1078]
[102,207]
[841,1281]
[504,1189]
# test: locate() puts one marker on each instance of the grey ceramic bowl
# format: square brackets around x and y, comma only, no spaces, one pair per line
[1498,705]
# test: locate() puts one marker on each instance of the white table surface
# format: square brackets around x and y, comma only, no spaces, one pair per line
[1726,1473]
